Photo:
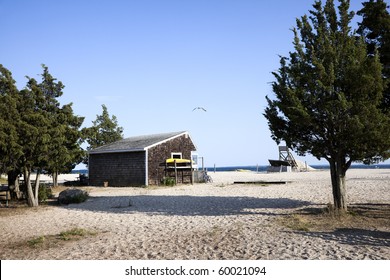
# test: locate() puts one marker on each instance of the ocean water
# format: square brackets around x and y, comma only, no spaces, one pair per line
[80,171]
[263,168]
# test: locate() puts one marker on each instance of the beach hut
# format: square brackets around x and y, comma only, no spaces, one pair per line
[136,161]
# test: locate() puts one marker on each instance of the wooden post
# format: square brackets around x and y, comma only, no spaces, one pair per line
[192,174]
[175,172]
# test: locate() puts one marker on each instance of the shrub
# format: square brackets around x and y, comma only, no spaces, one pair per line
[44,193]
[168,181]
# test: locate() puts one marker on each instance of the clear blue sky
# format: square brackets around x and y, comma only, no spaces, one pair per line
[151,62]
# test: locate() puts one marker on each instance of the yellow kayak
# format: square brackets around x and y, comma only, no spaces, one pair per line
[178,160]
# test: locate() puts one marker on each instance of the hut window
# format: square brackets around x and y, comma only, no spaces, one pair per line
[194,158]
[176,155]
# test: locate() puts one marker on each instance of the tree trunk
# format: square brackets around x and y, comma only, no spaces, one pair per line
[13,183]
[337,172]
[32,199]
[55,178]
[36,196]
[30,194]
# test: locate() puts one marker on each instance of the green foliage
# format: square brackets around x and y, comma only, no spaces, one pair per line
[66,141]
[375,27]
[36,241]
[328,91]
[44,193]
[57,240]
[168,181]
[104,130]
[64,127]
[36,133]
[44,128]
[10,149]
[75,232]
[328,95]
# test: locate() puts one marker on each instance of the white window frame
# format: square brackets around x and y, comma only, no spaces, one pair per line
[194,159]
[175,154]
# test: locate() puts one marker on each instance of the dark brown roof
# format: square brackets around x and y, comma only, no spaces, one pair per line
[137,143]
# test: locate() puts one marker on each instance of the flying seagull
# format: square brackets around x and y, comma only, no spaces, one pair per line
[199,108]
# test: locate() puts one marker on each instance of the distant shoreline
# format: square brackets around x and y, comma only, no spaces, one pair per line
[263,168]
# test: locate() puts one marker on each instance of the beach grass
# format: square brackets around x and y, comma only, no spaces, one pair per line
[36,241]
[296,223]
[359,216]
[48,241]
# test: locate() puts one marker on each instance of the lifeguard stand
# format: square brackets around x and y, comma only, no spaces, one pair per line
[285,155]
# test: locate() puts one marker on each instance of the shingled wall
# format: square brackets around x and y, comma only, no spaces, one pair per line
[118,169]
[158,154]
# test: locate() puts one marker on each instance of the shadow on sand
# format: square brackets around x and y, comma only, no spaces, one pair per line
[363,232]
[186,205]
[354,236]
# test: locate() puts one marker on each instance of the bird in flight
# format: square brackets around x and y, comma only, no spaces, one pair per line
[199,108]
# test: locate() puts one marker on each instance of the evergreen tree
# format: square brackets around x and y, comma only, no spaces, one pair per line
[8,112]
[65,150]
[10,150]
[36,139]
[48,134]
[375,27]
[36,134]
[328,96]
[104,130]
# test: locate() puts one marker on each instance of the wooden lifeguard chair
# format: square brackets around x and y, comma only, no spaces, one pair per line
[285,155]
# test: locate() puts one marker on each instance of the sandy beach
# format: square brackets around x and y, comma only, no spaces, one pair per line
[218,220]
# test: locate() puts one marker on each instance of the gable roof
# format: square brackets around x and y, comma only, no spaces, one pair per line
[137,143]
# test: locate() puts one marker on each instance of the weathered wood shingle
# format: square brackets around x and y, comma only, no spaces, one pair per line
[137,143]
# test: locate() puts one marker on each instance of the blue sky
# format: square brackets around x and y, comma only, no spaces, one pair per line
[151,62]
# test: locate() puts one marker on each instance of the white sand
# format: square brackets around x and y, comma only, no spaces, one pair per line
[204,221]
[62,178]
